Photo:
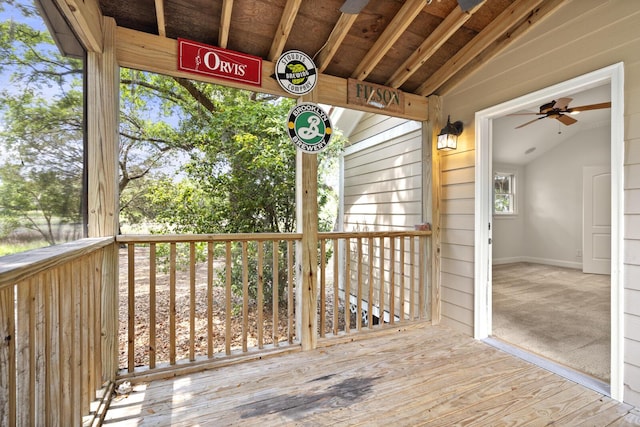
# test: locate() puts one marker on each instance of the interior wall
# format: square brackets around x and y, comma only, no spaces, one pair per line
[548,226]
[582,36]
[553,225]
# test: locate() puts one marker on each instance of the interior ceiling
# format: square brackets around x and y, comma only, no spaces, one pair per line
[510,145]
[420,46]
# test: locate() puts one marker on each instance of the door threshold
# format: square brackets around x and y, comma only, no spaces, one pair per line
[556,368]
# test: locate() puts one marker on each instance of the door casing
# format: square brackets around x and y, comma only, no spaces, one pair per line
[613,75]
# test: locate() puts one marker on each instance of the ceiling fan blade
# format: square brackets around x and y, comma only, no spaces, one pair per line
[529,122]
[564,119]
[590,107]
[562,103]
[525,114]
[353,6]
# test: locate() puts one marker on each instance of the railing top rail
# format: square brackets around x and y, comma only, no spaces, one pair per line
[239,237]
[185,238]
[17,267]
[366,234]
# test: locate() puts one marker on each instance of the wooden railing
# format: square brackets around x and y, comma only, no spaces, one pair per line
[190,300]
[50,329]
[203,298]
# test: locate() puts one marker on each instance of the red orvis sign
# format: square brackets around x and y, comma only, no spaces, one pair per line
[213,61]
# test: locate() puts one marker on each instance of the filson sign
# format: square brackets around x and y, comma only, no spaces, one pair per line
[198,58]
[376,96]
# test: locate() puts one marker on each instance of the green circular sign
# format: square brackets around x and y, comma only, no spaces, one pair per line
[309,127]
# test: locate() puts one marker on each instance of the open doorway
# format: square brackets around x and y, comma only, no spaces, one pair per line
[546,231]
[550,180]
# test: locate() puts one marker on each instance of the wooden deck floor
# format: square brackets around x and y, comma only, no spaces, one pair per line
[421,376]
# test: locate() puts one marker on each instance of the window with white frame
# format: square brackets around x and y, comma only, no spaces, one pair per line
[504,193]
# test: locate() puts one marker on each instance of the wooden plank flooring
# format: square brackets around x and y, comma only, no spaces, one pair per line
[423,375]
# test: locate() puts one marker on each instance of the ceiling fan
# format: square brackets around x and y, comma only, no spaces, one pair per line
[559,110]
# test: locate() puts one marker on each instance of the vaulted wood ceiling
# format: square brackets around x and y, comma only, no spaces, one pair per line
[423,47]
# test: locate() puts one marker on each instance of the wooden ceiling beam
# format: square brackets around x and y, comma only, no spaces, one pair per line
[431,44]
[225,23]
[512,14]
[405,16]
[339,32]
[284,28]
[162,28]
[85,17]
[148,52]
[543,11]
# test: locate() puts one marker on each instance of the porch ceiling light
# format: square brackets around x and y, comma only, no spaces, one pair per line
[448,136]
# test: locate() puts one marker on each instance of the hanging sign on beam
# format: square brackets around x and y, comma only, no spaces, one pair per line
[373,95]
[199,58]
[309,127]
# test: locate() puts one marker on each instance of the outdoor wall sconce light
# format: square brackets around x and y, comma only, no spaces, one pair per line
[448,136]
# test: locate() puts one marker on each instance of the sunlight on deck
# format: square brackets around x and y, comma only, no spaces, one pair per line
[416,375]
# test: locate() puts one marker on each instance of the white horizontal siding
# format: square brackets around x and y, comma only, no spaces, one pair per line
[594,35]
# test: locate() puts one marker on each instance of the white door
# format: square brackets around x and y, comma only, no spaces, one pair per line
[596,214]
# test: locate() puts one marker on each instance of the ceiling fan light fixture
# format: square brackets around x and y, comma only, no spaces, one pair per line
[448,136]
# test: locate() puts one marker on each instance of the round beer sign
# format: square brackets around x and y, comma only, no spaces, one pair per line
[296,73]
[309,127]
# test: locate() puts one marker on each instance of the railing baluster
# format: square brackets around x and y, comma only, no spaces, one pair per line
[336,291]
[402,281]
[78,279]
[172,303]
[347,286]
[323,279]
[192,301]
[24,393]
[370,302]
[85,327]
[382,281]
[412,278]
[152,305]
[392,280]
[7,357]
[290,281]
[210,299]
[227,302]
[131,321]
[245,295]
[40,355]
[421,290]
[260,319]
[53,338]
[275,293]
[359,295]
[66,343]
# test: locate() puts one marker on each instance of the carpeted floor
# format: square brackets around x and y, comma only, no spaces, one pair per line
[558,313]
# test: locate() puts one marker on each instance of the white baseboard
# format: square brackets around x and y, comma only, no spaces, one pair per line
[534,260]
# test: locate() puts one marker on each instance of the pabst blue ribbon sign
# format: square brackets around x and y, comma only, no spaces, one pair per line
[213,61]
[309,127]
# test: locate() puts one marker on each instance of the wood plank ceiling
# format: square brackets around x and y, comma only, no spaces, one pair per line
[422,47]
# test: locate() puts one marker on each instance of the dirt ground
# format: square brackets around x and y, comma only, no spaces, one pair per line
[183,299]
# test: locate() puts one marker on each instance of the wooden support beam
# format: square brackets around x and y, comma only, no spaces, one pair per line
[103,79]
[339,32]
[225,23]
[431,132]
[512,14]
[85,18]
[394,30]
[431,44]
[284,28]
[545,9]
[159,55]
[162,30]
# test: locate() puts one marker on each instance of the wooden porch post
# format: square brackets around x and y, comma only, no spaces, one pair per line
[307,251]
[103,147]
[432,156]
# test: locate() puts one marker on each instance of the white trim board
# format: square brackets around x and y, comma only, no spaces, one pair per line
[613,75]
